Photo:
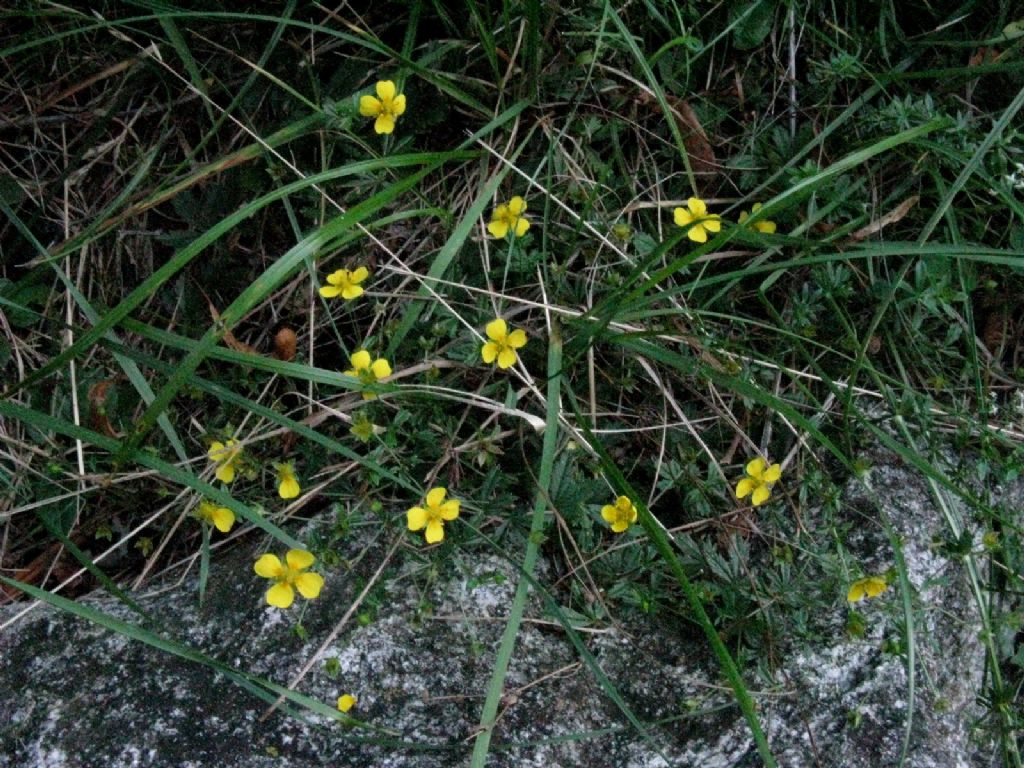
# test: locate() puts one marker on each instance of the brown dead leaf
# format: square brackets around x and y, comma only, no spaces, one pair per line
[229,337]
[890,218]
[695,139]
[50,563]
[98,393]
[702,155]
[983,56]
[994,334]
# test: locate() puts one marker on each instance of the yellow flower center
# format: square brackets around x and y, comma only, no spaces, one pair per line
[366,375]
[433,514]
[623,515]
[509,218]
[387,107]
[290,575]
[503,345]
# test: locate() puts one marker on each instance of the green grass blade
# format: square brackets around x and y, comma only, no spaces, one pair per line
[664,546]
[496,687]
[184,256]
[144,458]
[130,369]
[264,285]
[453,244]
[260,687]
[228,396]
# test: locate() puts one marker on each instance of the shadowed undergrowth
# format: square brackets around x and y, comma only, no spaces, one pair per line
[252,264]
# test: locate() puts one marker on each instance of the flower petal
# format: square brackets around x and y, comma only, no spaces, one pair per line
[874,586]
[351,292]
[697,233]
[450,510]
[772,474]
[522,224]
[435,497]
[225,472]
[385,123]
[516,339]
[289,487]
[381,368]
[416,518]
[435,532]
[346,702]
[309,584]
[761,494]
[609,513]
[489,352]
[329,291]
[359,274]
[697,206]
[360,360]
[299,559]
[516,206]
[369,106]
[216,452]
[497,330]
[222,519]
[385,90]
[856,593]
[766,227]
[712,223]
[506,358]
[619,526]
[755,468]
[398,105]
[268,566]
[745,487]
[498,228]
[682,217]
[281,595]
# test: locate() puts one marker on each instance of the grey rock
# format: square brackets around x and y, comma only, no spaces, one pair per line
[77,695]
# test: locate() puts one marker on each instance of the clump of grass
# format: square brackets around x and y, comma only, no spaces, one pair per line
[700,253]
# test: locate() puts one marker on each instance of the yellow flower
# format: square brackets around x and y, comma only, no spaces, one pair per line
[345,283]
[696,213]
[872,586]
[288,578]
[368,372]
[508,217]
[764,226]
[502,345]
[758,482]
[227,457]
[220,518]
[432,518]
[620,516]
[287,483]
[346,702]
[387,107]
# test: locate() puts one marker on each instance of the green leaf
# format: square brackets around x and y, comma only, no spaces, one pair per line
[753,22]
